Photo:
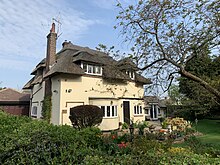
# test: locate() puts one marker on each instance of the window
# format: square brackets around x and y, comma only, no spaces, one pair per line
[103,110]
[34,111]
[84,66]
[91,69]
[109,111]
[159,110]
[137,109]
[130,74]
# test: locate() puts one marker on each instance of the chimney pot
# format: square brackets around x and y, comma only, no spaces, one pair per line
[52,30]
[65,43]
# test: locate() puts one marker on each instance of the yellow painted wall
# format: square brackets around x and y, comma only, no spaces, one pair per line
[55,88]
[79,90]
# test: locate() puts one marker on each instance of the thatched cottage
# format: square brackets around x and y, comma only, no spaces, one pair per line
[78,76]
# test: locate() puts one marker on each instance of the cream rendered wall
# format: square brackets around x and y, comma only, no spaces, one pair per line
[55,99]
[133,117]
[79,90]
[108,123]
[38,97]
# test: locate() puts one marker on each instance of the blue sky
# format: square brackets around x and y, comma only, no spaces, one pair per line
[24,25]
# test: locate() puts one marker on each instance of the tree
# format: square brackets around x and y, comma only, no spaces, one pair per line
[85,116]
[168,34]
[209,70]
[175,95]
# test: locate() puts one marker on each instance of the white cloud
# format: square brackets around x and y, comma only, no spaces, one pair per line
[25,24]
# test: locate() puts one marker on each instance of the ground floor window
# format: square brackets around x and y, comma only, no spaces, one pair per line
[34,111]
[137,109]
[109,111]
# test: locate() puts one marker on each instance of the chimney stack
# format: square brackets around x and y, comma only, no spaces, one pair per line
[51,48]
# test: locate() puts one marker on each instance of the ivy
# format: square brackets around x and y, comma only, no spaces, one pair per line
[46,108]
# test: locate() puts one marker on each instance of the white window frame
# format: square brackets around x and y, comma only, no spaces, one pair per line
[130,74]
[93,69]
[34,109]
[112,111]
[138,110]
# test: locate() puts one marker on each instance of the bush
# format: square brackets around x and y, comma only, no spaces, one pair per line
[125,126]
[37,142]
[27,141]
[85,116]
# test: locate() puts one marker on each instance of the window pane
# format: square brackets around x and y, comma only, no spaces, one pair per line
[116,113]
[113,111]
[135,111]
[98,70]
[108,111]
[89,69]
[103,110]
[140,109]
[85,67]
[132,75]
[34,110]
[93,69]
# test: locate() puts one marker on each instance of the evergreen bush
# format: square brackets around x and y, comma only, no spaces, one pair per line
[85,116]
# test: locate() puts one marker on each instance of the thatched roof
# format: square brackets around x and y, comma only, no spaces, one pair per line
[68,62]
[112,72]
[41,64]
[28,85]
[64,64]
[141,79]
[127,64]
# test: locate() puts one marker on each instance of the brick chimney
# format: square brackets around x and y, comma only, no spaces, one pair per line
[50,57]
[51,48]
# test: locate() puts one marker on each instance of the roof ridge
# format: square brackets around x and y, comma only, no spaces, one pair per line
[11,89]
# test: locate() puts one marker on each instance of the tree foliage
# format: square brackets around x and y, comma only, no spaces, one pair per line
[85,116]
[168,34]
[175,95]
[209,70]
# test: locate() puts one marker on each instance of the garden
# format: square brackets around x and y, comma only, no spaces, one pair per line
[27,141]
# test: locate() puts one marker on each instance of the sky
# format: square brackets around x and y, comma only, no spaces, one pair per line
[24,25]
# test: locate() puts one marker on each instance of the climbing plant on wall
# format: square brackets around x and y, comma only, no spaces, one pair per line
[46,108]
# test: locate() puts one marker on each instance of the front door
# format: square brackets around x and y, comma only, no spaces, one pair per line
[126,111]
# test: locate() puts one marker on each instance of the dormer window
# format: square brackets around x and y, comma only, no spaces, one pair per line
[91,69]
[130,74]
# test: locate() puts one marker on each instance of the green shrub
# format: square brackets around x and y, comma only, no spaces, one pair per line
[125,126]
[46,108]
[37,142]
[141,125]
[85,116]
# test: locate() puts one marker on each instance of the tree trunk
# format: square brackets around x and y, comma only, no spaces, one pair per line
[201,82]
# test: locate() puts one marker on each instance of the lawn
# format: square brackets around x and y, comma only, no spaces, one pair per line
[210,130]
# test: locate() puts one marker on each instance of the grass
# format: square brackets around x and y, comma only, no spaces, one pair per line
[211,133]
[210,130]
